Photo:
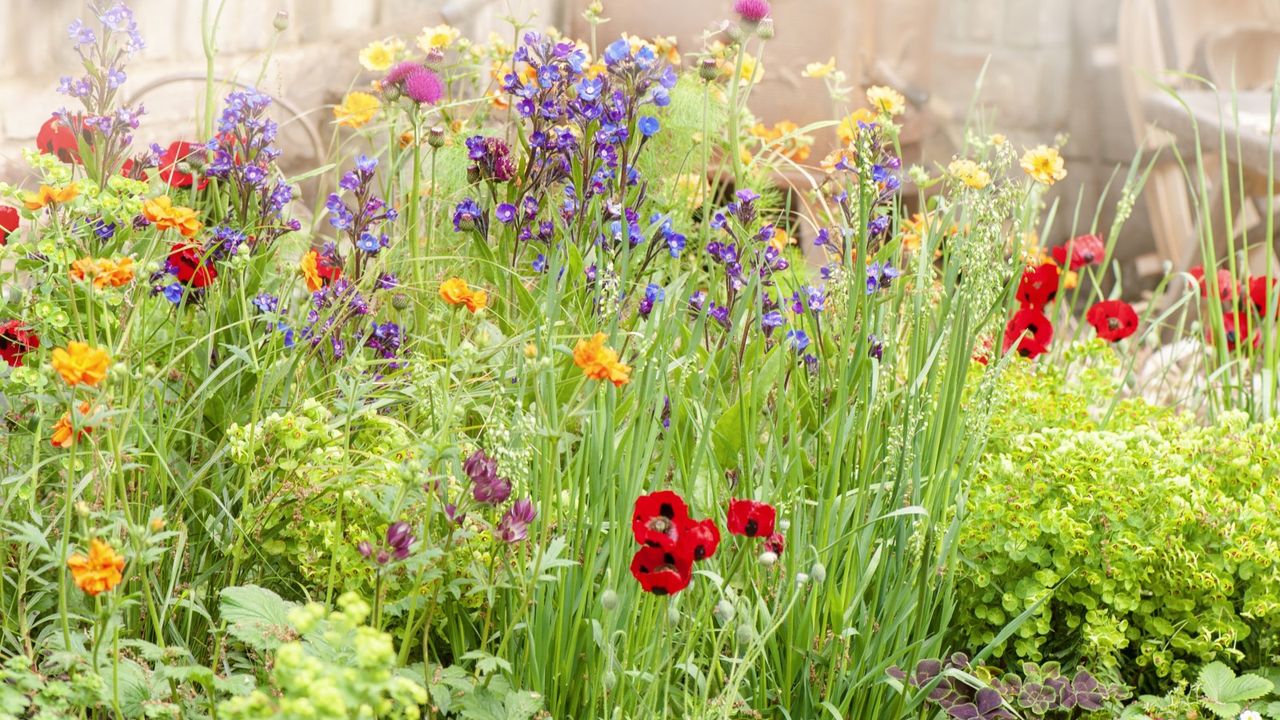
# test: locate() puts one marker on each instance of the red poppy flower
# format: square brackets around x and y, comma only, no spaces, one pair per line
[661,572]
[16,340]
[1113,319]
[191,266]
[1236,327]
[1226,284]
[658,519]
[775,544]
[8,222]
[699,540]
[1038,287]
[1258,289]
[59,138]
[1030,331]
[176,165]
[1084,250]
[751,518]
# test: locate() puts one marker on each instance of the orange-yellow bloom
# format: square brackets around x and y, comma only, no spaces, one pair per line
[37,200]
[80,364]
[1044,164]
[104,272]
[161,211]
[455,291]
[64,435]
[357,109]
[309,265]
[100,572]
[599,362]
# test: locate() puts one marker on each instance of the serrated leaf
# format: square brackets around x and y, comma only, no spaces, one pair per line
[256,616]
[1223,710]
[1244,688]
[1213,678]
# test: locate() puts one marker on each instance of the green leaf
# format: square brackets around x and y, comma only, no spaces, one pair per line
[1246,687]
[257,617]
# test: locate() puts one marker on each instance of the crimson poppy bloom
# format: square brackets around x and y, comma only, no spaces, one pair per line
[59,138]
[1084,250]
[178,163]
[1226,284]
[751,518]
[1038,287]
[8,222]
[191,266]
[1258,289]
[1236,327]
[661,572]
[775,544]
[1030,331]
[699,539]
[658,519]
[16,340]
[1113,319]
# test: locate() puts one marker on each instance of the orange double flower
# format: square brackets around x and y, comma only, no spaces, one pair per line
[165,215]
[103,271]
[98,572]
[599,362]
[455,291]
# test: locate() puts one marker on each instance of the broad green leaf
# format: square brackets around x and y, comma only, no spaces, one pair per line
[257,617]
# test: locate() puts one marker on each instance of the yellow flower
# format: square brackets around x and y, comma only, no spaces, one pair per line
[847,131]
[887,100]
[380,55]
[752,70]
[599,362]
[439,37]
[794,146]
[161,211]
[37,200]
[819,70]
[100,572]
[667,48]
[64,435]
[80,364]
[781,239]
[357,109]
[1044,164]
[455,291]
[998,139]
[970,173]
[309,265]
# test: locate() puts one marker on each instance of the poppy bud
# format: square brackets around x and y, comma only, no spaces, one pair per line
[724,612]
[673,615]
[802,578]
[744,634]
[767,558]
[609,600]
[281,21]
[708,69]
[610,680]
[765,29]
[818,572]
[435,136]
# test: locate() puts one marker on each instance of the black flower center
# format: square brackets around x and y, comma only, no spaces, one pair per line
[751,528]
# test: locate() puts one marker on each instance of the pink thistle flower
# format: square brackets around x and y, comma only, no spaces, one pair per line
[421,85]
[752,11]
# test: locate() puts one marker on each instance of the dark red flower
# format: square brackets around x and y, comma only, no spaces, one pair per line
[1235,325]
[699,539]
[1226,284]
[1084,250]
[1258,288]
[775,544]
[180,165]
[1030,331]
[8,222]
[658,519]
[1113,319]
[59,138]
[1038,287]
[751,518]
[16,340]
[661,572]
[191,266]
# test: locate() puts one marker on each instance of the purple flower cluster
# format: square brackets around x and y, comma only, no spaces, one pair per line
[363,221]
[103,58]
[491,160]
[243,155]
[486,487]
[399,540]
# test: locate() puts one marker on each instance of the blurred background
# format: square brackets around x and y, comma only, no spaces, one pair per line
[1031,69]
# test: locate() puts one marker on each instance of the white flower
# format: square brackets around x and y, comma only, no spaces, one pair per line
[1250,715]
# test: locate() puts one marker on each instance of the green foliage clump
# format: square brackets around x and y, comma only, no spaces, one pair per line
[1145,545]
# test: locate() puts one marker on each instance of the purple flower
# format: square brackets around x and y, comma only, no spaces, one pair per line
[419,83]
[751,11]
[649,126]
[506,213]
[491,158]
[875,347]
[173,293]
[486,486]
[798,340]
[514,526]
[466,216]
[879,276]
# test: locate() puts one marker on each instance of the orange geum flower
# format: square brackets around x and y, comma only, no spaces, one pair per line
[37,200]
[165,215]
[104,272]
[100,572]
[64,435]
[476,300]
[455,291]
[599,362]
[80,364]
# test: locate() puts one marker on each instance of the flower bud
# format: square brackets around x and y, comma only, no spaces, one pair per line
[435,136]
[673,615]
[400,301]
[610,680]
[281,21]
[765,29]
[724,612]
[818,572]
[708,69]
[609,600]
[735,33]
[767,559]
[530,351]
[802,578]
[744,634]
[82,508]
